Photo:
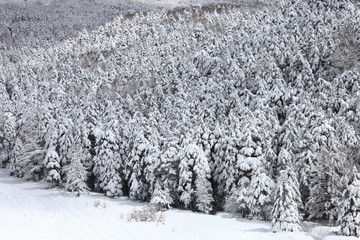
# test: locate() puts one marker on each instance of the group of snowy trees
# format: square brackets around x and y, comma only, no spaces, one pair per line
[249,110]
[36,24]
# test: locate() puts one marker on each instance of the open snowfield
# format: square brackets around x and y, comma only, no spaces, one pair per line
[29,211]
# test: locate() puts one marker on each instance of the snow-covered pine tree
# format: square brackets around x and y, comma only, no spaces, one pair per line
[107,167]
[51,160]
[301,74]
[260,190]
[227,157]
[8,142]
[203,192]
[289,134]
[47,125]
[237,201]
[203,188]
[113,175]
[303,167]
[251,146]
[76,173]
[225,175]
[249,158]
[31,160]
[83,139]
[100,158]
[139,167]
[185,178]
[15,167]
[285,212]
[160,197]
[31,156]
[52,166]
[349,214]
[194,172]
[346,134]
[327,184]
[284,159]
[114,166]
[166,168]
[66,138]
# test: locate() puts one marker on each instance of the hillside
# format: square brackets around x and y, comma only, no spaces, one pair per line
[206,108]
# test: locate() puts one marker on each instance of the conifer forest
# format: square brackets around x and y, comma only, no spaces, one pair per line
[252,109]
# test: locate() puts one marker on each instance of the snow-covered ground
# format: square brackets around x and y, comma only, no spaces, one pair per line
[29,211]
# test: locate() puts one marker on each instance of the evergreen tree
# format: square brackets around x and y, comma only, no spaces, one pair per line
[349,215]
[160,198]
[107,166]
[31,156]
[66,139]
[185,179]
[15,167]
[194,172]
[76,173]
[260,190]
[285,212]
[237,201]
[52,166]
[9,130]
[203,188]
[139,167]
[226,176]
[326,185]
[167,168]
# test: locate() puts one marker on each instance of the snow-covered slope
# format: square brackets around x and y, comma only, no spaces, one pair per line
[30,24]
[146,2]
[223,71]
[30,211]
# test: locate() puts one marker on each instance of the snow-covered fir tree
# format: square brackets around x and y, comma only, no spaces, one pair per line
[9,135]
[76,173]
[52,166]
[160,198]
[194,186]
[167,169]
[328,180]
[349,215]
[28,162]
[107,165]
[285,212]
[260,194]
[139,167]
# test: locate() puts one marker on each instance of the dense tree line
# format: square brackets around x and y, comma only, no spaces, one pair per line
[250,110]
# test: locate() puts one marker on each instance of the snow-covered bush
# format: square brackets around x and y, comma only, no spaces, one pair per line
[100,204]
[147,214]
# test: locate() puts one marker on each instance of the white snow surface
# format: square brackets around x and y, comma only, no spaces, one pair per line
[28,210]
